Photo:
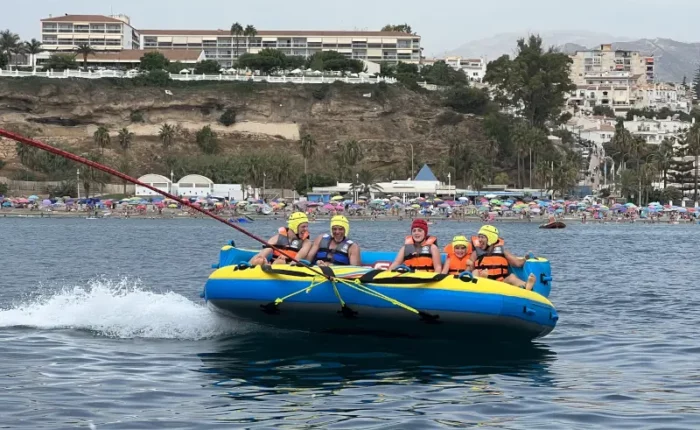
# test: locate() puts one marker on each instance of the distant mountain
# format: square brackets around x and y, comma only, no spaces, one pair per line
[673,59]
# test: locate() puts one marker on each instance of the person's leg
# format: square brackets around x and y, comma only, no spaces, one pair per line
[514,280]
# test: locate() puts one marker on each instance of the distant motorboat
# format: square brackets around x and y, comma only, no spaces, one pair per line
[555,224]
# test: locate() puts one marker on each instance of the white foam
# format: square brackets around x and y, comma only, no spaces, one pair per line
[122,309]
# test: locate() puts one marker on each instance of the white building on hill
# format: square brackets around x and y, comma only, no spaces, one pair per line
[157,181]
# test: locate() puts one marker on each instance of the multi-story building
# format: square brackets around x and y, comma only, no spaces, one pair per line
[474,68]
[610,77]
[657,96]
[219,45]
[102,33]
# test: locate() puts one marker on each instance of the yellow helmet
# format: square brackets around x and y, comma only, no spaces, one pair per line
[295,220]
[341,221]
[491,234]
[460,241]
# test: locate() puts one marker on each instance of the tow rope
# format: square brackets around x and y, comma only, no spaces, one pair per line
[325,272]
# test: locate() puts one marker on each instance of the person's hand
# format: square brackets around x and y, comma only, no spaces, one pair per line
[322,263]
[258,260]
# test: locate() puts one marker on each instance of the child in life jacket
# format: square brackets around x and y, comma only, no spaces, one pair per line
[420,251]
[491,260]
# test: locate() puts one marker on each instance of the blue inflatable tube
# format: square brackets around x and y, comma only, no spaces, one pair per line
[540,267]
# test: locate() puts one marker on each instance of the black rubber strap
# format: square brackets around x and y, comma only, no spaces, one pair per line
[370,278]
[267,268]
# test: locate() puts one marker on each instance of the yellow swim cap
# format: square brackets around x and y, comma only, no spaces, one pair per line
[341,221]
[460,241]
[295,220]
[491,234]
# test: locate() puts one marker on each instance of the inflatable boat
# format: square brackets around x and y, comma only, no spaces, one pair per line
[371,300]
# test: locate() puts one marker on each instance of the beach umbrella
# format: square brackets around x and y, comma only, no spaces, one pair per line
[463,199]
[33,197]
[337,198]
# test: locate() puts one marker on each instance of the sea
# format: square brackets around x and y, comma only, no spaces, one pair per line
[102,327]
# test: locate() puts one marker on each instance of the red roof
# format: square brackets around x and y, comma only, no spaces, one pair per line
[82,18]
[311,33]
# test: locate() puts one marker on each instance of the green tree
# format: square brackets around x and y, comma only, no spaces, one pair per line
[102,139]
[125,138]
[207,140]
[465,99]
[250,32]
[61,62]
[366,182]
[153,61]
[85,50]
[442,74]
[601,110]
[623,144]
[8,42]
[167,135]
[236,32]
[307,147]
[693,149]
[207,67]
[34,47]
[535,82]
[401,28]
[663,157]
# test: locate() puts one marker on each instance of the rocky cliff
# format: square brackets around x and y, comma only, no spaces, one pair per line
[384,119]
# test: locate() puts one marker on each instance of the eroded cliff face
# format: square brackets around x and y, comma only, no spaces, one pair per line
[385,120]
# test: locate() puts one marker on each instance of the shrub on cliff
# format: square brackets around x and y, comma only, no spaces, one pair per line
[3,189]
[320,91]
[468,100]
[154,78]
[207,140]
[228,117]
[136,116]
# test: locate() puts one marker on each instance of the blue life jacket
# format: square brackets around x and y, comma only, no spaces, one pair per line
[338,255]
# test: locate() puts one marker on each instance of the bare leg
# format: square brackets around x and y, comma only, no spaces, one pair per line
[514,280]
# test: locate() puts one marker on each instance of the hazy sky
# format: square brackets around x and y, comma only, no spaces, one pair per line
[443,24]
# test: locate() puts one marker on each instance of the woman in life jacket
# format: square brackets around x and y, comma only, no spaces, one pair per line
[293,240]
[458,254]
[491,260]
[336,248]
[420,251]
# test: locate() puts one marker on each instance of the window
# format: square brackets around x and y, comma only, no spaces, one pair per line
[97,28]
[65,28]
[49,28]
[81,29]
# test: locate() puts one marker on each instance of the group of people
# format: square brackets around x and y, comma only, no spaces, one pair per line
[484,255]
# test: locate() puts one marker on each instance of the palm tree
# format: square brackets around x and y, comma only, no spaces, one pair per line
[693,148]
[352,153]
[366,182]
[102,139]
[8,42]
[250,32]
[85,50]
[663,157]
[34,47]
[236,32]
[623,142]
[307,146]
[17,50]
[125,138]
[167,134]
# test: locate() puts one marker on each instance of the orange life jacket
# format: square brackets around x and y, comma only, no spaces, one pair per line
[459,265]
[290,247]
[494,261]
[419,257]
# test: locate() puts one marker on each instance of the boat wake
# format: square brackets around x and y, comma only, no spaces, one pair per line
[120,309]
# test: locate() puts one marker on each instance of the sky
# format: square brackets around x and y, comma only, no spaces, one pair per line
[443,24]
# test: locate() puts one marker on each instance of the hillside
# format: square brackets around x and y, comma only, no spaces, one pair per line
[270,118]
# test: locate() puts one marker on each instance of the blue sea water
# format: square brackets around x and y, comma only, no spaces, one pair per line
[101,326]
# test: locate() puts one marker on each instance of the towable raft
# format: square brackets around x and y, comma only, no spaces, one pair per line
[366,300]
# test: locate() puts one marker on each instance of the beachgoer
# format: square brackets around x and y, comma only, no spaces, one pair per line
[293,240]
[420,251]
[458,254]
[491,260]
[335,248]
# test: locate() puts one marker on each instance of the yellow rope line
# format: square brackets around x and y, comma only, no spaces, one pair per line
[313,284]
[356,284]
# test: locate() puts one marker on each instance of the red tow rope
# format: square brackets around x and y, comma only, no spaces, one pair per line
[98,166]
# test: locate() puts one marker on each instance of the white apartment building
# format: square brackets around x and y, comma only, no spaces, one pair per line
[605,59]
[474,68]
[219,45]
[658,95]
[102,33]
[654,131]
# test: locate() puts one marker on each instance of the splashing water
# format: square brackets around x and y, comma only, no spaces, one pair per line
[121,309]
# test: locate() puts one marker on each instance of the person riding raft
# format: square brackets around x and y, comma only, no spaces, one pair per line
[336,248]
[420,251]
[293,240]
[491,260]
[458,254]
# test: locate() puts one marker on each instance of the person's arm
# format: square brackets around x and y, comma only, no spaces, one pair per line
[304,251]
[471,261]
[515,261]
[398,260]
[446,267]
[313,251]
[437,263]
[261,257]
[354,255]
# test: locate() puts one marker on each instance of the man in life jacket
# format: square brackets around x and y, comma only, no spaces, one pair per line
[293,240]
[335,248]
[491,260]
[458,254]
[420,251]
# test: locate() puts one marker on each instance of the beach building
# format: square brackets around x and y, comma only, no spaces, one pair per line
[102,33]
[157,181]
[195,186]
